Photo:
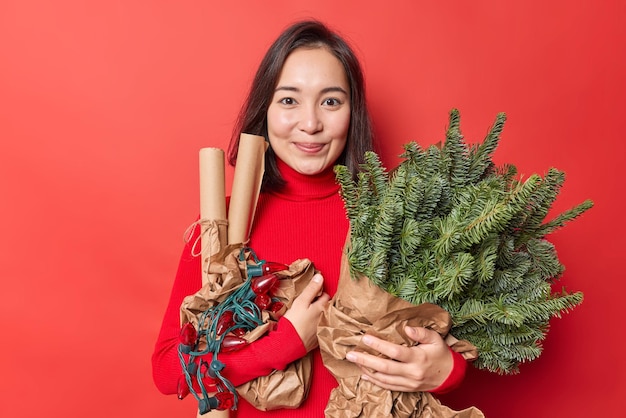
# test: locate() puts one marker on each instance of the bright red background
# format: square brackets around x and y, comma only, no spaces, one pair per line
[105,104]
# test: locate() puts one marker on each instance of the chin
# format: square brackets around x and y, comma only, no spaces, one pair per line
[310,171]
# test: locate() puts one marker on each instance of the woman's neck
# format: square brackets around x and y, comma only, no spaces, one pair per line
[305,187]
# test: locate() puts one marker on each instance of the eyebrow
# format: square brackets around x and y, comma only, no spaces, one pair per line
[323,91]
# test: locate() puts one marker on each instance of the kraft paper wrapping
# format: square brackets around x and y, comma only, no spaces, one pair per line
[283,388]
[213,224]
[359,307]
[224,264]
[246,186]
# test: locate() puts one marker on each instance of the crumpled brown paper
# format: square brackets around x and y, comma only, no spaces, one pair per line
[359,307]
[283,388]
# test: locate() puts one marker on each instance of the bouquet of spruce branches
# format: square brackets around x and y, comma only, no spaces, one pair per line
[449,228]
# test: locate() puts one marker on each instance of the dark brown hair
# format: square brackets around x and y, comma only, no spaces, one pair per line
[252,118]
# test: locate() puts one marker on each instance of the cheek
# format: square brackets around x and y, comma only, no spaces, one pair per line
[277,122]
[341,125]
[341,133]
[338,149]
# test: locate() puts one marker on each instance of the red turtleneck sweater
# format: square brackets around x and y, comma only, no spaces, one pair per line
[305,219]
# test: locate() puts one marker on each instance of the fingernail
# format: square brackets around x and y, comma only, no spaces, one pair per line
[367,340]
[351,356]
[318,278]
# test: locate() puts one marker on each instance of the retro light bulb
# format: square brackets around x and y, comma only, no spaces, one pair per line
[225,400]
[263,284]
[232,343]
[224,322]
[263,301]
[273,267]
[188,334]
[182,389]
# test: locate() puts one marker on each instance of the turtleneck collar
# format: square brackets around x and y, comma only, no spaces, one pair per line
[301,187]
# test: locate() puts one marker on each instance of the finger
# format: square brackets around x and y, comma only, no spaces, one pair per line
[389,349]
[375,363]
[390,382]
[313,289]
[422,335]
[322,300]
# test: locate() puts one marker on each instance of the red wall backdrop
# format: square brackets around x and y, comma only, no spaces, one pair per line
[104,105]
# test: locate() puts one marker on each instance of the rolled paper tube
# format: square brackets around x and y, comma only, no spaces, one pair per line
[212,202]
[246,186]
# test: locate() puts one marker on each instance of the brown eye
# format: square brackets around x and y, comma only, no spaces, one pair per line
[331,102]
[287,101]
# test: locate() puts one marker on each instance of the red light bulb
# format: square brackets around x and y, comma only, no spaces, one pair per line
[276,307]
[263,284]
[182,389]
[188,335]
[225,400]
[272,267]
[263,301]
[232,343]
[224,322]
[240,332]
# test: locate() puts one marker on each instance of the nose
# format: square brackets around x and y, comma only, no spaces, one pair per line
[310,121]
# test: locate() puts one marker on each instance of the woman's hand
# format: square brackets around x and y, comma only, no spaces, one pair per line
[306,310]
[408,369]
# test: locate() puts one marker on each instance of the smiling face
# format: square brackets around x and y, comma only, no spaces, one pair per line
[309,115]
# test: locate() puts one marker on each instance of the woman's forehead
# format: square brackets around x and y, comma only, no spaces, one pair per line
[314,68]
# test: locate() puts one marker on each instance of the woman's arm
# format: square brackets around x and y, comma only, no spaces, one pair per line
[429,366]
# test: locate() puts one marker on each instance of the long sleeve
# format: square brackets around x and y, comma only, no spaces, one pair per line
[456,376]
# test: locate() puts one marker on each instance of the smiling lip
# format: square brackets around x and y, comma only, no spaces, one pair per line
[310,148]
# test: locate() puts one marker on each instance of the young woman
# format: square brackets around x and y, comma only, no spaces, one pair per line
[308,101]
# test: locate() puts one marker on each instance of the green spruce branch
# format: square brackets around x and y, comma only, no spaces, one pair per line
[449,227]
